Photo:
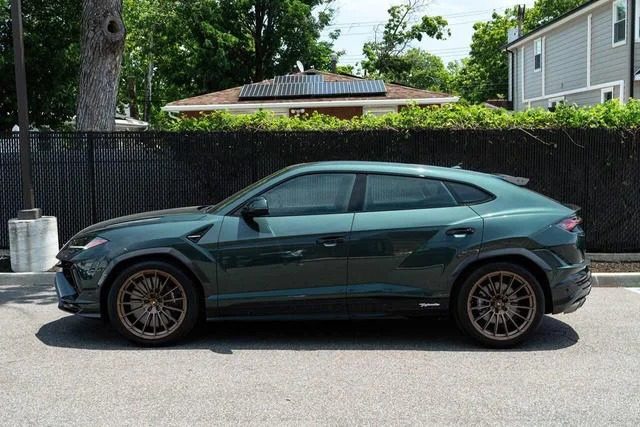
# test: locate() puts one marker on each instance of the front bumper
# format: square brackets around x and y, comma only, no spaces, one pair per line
[571,293]
[71,300]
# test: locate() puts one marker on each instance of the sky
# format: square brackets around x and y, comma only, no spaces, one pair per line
[357,20]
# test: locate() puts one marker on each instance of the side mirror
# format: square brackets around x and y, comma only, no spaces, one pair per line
[255,207]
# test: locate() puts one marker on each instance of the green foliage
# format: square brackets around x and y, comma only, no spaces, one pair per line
[52,56]
[387,55]
[484,74]
[452,116]
[421,70]
[544,11]
[204,46]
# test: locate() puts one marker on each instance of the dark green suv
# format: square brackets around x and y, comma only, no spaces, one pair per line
[336,240]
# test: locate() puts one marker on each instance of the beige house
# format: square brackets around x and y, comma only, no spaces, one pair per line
[339,95]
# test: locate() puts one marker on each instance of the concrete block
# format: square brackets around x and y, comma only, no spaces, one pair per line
[33,244]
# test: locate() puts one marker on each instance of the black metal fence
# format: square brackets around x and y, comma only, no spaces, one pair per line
[83,178]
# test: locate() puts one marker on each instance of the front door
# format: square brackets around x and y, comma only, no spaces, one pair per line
[404,244]
[294,260]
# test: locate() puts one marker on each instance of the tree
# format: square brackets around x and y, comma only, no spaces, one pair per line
[385,55]
[203,46]
[544,11]
[278,33]
[51,41]
[485,74]
[102,45]
[420,69]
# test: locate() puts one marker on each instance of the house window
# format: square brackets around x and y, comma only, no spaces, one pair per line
[619,22]
[537,55]
[606,94]
[637,20]
[554,102]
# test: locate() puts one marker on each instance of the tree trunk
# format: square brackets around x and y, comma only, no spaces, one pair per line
[133,97]
[103,35]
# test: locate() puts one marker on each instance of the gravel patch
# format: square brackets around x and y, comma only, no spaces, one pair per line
[615,267]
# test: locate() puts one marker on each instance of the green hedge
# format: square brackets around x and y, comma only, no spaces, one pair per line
[611,115]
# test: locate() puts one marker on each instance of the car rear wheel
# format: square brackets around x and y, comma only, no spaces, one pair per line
[153,303]
[500,305]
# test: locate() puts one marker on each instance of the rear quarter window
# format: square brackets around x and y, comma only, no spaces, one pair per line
[468,194]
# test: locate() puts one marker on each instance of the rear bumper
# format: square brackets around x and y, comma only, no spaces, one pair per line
[72,301]
[570,294]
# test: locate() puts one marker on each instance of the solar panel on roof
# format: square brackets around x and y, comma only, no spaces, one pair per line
[298,78]
[313,85]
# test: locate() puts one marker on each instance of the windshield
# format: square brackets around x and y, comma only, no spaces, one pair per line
[229,200]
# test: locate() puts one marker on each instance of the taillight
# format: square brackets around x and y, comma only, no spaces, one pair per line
[570,224]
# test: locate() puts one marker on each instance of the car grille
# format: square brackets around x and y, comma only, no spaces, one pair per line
[67,270]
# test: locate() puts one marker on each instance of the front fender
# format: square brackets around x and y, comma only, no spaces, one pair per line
[196,263]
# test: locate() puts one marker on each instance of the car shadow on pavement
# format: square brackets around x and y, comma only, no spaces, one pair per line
[24,294]
[227,337]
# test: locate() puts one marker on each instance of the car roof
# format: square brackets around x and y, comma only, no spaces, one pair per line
[455,174]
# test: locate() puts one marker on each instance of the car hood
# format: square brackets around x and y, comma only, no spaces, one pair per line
[188,214]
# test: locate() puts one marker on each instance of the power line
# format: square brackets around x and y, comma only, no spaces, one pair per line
[453,15]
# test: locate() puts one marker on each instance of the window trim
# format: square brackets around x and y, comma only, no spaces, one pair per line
[607,90]
[537,42]
[236,212]
[490,196]
[442,181]
[356,204]
[637,20]
[614,22]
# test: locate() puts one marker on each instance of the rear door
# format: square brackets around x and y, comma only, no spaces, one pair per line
[409,236]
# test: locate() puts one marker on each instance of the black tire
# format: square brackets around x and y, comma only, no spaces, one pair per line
[173,309]
[493,311]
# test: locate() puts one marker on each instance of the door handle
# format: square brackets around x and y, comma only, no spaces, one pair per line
[330,241]
[459,233]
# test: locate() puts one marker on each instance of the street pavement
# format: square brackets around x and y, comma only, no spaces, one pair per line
[579,369]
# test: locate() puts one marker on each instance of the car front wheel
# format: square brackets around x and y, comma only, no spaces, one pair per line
[500,305]
[153,303]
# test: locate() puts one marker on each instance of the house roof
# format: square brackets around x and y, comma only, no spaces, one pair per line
[232,96]
[560,19]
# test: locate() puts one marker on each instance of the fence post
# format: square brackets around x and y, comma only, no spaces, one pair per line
[91,169]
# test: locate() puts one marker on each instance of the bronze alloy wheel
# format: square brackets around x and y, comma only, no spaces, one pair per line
[151,304]
[502,305]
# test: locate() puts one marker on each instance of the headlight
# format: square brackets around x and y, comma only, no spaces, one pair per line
[96,241]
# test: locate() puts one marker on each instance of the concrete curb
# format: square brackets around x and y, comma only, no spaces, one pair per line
[602,280]
[628,257]
[615,280]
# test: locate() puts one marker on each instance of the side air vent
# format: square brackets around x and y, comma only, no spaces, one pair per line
[196,235]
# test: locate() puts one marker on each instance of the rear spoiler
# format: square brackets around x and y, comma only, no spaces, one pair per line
[516,180]
[574,208]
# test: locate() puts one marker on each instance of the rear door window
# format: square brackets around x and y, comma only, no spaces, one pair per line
[390,193]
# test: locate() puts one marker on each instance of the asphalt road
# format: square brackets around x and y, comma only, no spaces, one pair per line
[582,368]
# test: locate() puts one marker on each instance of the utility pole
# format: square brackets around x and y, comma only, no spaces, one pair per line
[28,201]
[522,9]
[33,238]
[149,88]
